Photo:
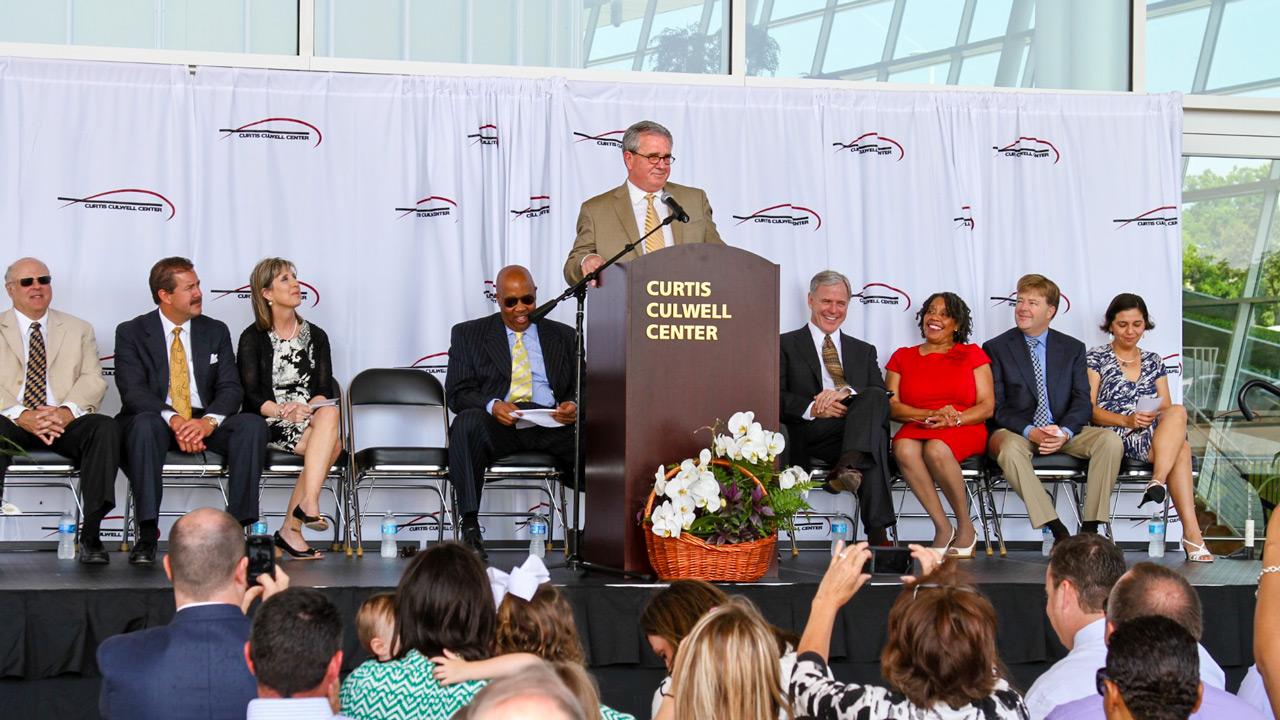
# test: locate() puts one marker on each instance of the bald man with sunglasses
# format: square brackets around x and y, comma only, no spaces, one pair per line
[499,365]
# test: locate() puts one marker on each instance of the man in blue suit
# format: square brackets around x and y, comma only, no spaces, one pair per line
[194,666]
[1042,407]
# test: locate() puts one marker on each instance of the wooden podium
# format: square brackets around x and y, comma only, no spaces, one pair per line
[675,341]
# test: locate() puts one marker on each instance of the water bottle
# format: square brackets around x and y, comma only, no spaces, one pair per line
[1046,541]
[389,535]
[66,537]
[259,527]
[1155,536]
[538,536]
[839,534]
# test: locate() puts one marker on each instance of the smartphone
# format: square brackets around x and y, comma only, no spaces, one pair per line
[262,556]
[890,561]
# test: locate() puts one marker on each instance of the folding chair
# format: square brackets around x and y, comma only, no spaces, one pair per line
[974,470]
[47,469]
[1053,470]
[525,470]
[205,470]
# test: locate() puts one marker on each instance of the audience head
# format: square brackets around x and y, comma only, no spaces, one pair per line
[30,287]
[274,281]
[534,694]
[206,560]
[444,601]
[517,296]
[727,667]
[542,626]
[1126,318]
[949,314]
[1151,589]
[295,645]
[941,645]
[1082,570]
[1037,303]
[376,625]
[673,611]
[829,294]
[579,682]
[642,141]
[176,289]
[1152,672]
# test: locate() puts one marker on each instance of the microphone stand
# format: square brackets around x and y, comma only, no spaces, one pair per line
[575,561]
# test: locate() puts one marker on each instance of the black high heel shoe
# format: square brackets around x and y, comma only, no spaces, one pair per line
[309,554]
[1155,493]
[315,522]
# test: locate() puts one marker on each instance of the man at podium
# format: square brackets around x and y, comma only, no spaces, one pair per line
[611,220]
[834,403]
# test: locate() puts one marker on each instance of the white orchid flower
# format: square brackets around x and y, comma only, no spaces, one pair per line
[790,477]
[752,450]
[666,521]
[739,422]
[755,431]
[706,492]
[660,481]
[727,447]
[776,443]
[704,458]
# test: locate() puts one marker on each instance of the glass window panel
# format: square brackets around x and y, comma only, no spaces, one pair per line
[676,43]
[797,43]
[990,19]
[33,22]
[928,75]
[1206,342]
[1204,173]
[1260,357]
[928,26]
[979,69]
[857,36]
[1217,243]
[791,8]
[1245,38]
[1173,48]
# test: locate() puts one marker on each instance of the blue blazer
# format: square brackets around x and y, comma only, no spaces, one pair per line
[191,668]
[142,365]
[1015,381]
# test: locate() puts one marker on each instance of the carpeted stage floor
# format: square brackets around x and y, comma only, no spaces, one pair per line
[54,614]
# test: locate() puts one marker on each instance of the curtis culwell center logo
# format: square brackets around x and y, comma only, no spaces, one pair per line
[872,144]
[435,363]
[133,200]
[309,292]
[779,215]
[491,291]
[539,205]
[965,219]
[1163,215]
[878,293]
[603,139]
[1029,147]
[276,128]
[485,135]
[108,365]
[1173,363]
[1012,299]
[437,206]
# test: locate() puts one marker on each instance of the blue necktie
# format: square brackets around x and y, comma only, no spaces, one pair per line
[1041,417]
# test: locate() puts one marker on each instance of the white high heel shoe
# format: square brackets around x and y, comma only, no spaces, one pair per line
[1198,553]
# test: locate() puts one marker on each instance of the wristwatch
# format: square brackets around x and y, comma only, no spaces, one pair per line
[211,420]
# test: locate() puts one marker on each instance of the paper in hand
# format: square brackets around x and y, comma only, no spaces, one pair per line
[331,402]
[1148,404]
[536,417]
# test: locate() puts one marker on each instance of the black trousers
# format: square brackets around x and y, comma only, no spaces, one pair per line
[92,441]
[476,439]
[861,439]
[241,439]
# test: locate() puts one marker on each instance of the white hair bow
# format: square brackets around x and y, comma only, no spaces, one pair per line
[522,581]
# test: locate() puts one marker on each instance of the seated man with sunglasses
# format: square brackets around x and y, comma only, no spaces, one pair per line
[51,387]
[498,365]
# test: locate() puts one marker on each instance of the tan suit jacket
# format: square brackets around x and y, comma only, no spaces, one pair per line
[606,223]
[74,372]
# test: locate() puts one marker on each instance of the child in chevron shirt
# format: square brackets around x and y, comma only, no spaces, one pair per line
[376,625]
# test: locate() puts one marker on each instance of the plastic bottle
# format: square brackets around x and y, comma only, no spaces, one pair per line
[389,529]
[1155,536]
[1046,541]
[66,537]
[259,527]
[839,534]
[538,536]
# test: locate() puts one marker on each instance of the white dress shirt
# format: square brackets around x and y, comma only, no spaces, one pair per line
[1254,692]
[185,337]
[24,330]
[640,207]
[828,383]
[312,708]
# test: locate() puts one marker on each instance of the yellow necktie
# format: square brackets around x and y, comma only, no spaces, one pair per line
[832,361]
[651,221]
[521,374]
[179,381]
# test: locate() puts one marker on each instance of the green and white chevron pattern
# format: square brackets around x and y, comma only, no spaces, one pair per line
[402,689]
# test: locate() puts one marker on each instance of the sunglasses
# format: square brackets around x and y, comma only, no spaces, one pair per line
[524,299]
[29,281]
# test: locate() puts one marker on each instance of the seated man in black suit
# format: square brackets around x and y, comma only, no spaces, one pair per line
[179,387]
[498,365]
[194,666]
[834,403]
[1042,405]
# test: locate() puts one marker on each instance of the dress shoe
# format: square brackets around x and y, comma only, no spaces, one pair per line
[879,537]
[1154,493]
[316,522]
[475,540]
[93,553]
[847,478]
[309,554]
[143,553]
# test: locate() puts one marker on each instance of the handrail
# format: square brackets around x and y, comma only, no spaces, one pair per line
[1244,390]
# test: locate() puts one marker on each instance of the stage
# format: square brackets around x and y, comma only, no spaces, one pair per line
[55,613]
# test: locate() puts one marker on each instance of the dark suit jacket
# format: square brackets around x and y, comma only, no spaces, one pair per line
[802,370]
[191,668]
[480,361]
[1015,381]
[142,365]
[255,356]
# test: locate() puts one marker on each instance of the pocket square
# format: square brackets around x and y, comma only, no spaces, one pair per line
[213,359]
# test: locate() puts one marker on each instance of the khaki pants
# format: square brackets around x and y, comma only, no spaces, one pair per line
[1101,447]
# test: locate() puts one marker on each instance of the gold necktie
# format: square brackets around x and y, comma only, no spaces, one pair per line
[651,221]
[832,361]
[35,392]
[179,380]
[521,374]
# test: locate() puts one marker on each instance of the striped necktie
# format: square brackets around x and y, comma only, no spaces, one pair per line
[832,361]
[651,222]
[179,377]
[1041,416]
[35,392]
[521,372]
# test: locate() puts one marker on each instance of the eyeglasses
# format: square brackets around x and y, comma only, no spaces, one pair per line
[524,299]
[29,281]
[1100,679]
[656,158]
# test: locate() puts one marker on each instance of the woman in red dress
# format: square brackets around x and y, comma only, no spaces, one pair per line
[942,394]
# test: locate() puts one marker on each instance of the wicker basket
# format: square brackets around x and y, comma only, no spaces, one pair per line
[688,556]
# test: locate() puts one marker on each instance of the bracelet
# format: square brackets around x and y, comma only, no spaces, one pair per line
[1268,570]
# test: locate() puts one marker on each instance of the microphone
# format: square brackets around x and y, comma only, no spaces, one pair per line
[676,210]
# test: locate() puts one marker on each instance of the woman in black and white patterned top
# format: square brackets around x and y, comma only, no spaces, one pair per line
[940,658]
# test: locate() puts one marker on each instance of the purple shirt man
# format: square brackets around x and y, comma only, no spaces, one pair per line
[1215,704]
